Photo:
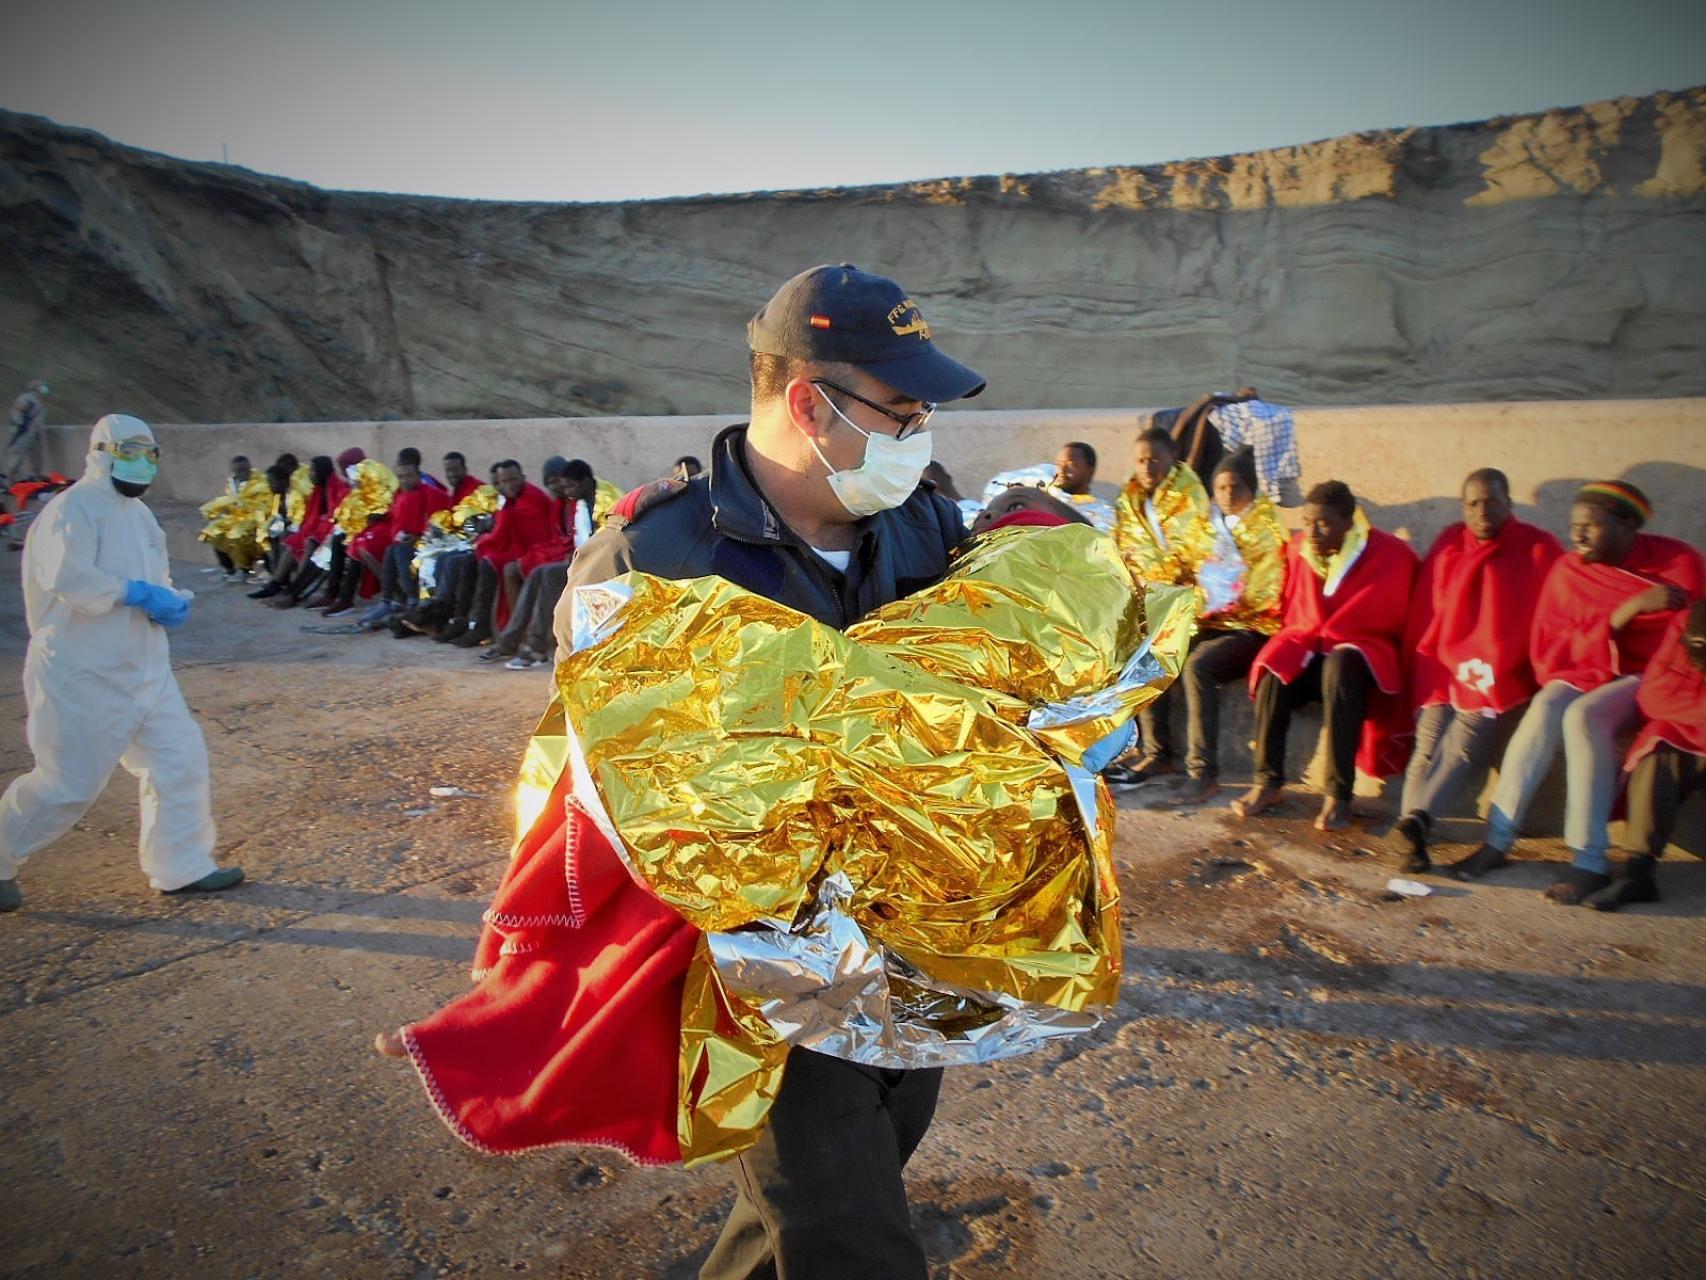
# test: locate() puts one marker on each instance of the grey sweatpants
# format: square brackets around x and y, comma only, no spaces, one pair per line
[1586,725]
[1452,746]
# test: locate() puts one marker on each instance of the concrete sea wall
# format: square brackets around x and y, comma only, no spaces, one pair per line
[1406,462]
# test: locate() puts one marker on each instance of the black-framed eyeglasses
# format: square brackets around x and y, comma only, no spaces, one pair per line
[910,424]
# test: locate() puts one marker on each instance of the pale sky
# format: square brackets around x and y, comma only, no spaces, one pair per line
[561,100]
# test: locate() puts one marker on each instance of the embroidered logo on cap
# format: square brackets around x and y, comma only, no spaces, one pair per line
[905,319]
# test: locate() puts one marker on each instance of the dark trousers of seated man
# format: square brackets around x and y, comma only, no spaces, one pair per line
[1341,682]
[530,618]
[397,574]
[1216,658]
[1659,784]
[1452,748]
[825,1177]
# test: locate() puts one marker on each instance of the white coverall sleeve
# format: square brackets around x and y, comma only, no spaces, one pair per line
[64,543]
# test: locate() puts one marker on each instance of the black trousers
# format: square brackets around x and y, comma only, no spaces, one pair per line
[1657,788]
[397,573]
[339,568]
[447,584]
[535,607]
[1216,658]
[821,1194]
[1340,681]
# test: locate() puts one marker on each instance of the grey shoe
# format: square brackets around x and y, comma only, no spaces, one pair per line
[11,897]
[224,878]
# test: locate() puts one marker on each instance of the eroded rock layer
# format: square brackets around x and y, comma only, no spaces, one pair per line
[1549,256]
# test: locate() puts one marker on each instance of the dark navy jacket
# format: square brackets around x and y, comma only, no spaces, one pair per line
[719,523]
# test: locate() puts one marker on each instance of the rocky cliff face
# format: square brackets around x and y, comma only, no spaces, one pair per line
[1551,256]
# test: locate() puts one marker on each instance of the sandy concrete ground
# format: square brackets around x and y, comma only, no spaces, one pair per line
[1303,1078]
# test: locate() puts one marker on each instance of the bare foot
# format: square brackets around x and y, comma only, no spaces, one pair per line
[390,1043]
[1335,815]
[1258,799]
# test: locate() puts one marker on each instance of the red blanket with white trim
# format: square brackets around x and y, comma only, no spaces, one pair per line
[572,1033]
[1572,640]
[1471,614]
[1367,613]
[1672,697]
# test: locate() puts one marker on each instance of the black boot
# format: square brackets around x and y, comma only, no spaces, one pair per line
[306,581]
[1479,863]
[1576,885]
[1410,835]
[480,613]
[1639,884]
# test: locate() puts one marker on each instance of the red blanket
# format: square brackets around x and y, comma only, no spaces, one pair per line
[1367,613]
[1470,617]
[559,546]
[572,1032]
[520,525]
[316,524]
[411,507]
[1672,697]
[1572,639]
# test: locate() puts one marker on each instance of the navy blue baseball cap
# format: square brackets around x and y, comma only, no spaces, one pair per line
[843,315]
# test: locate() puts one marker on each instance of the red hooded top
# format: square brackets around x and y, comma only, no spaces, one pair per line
[411,507]
[1672,697]
[1367,613]
[317,515]
[1572,640]
[465,486]
[1471,614]
[560,546]
[521,525]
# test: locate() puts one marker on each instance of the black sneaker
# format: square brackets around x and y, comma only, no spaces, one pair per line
[1479,863]
[1410,835]
[1146,769]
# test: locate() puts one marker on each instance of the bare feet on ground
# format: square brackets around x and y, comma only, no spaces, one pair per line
[1335,815]
[390,1043]
[1257,799]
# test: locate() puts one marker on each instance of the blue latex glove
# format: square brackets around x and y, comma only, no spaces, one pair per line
[1110,748]
[161,604]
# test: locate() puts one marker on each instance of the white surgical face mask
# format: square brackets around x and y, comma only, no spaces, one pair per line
[888,475]
[351,474]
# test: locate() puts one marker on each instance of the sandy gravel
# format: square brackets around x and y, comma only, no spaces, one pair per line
[1303,1078]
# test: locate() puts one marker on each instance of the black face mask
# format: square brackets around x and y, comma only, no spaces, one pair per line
[128,489]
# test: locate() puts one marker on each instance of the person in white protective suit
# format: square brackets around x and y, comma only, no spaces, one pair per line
[98,682]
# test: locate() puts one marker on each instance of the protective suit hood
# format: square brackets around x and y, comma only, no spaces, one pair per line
[97,464]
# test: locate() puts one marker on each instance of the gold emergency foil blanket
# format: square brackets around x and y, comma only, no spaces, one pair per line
[237,523]
[446,532]
[607,496]
[1260,540]
[1038,617]
[1184,539]
[296,502]
[889,866]
[370,494]
[480,502]
[731,1066]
